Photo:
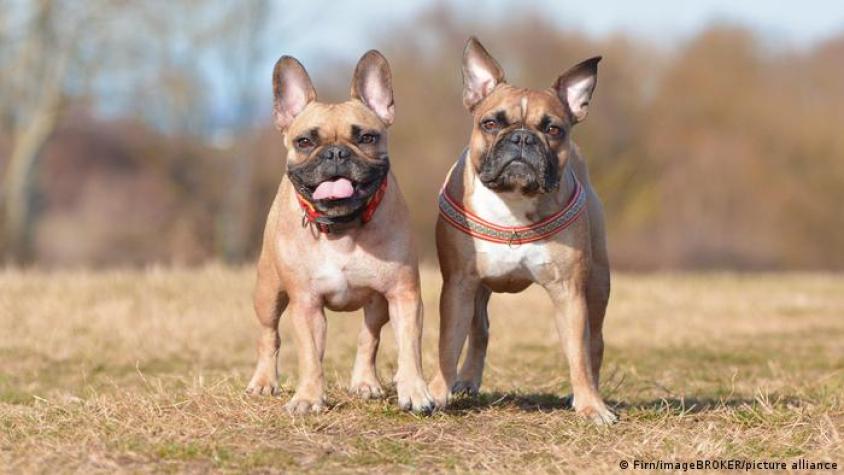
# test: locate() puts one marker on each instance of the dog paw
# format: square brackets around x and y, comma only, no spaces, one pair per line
[470,388]
[599,414]
[301,406]
[414,396]
[367,390]
[440,393]
[261,385]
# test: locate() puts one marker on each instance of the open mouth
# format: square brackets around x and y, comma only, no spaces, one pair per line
[338,188]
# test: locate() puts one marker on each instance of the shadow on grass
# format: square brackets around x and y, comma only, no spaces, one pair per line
[695,405]
[528,402]
[546,402]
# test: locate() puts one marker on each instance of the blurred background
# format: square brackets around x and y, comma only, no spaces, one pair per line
[136,132]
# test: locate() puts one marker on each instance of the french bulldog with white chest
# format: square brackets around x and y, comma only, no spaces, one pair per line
[338,236]
[518,209]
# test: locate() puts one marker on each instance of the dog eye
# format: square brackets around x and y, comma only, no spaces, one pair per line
[368,138]
[554,131]
[489,125]
[304,142]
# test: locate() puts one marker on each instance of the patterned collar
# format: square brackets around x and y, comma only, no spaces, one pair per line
[462,219]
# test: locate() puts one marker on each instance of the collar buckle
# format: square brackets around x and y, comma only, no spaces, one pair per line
[514,237]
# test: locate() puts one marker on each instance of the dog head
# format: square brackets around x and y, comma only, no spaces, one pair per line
[520,137]
[337,153]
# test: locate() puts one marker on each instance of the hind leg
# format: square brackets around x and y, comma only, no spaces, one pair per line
[365,383]
[270,301]
[471,373]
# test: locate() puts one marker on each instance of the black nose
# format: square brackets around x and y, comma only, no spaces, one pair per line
[522,137]
[335,152]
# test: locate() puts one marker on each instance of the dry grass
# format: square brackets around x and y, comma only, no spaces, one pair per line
[145,371]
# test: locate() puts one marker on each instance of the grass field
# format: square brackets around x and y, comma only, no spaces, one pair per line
[145,370]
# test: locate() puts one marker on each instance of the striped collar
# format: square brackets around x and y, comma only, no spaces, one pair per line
[458,216]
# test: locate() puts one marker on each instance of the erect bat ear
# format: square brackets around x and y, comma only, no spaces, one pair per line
[481,73]
[292,89]
[575,86]
[372,83]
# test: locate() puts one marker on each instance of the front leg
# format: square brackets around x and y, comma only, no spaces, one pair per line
[270,301]
[405,307]
[365,382]
[309,324]
[457,304]
[471,373]
[572,324]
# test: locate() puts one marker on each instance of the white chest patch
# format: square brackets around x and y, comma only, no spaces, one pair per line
[329,278]
[345,279]
[344,275]
[519,262]
[523,262]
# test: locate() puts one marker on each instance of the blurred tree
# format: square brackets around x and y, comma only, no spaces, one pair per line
[39,41]
[146,59]
[241,51]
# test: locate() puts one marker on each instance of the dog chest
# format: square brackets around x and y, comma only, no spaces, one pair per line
[344,279]
[502,266]
[336,270]
[343,287]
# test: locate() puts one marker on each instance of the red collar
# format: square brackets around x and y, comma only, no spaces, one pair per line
[462,219]
[312,216]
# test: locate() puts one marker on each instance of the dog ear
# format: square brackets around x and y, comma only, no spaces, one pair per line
[575,86]
[481,73]
[292,89]
[372,84]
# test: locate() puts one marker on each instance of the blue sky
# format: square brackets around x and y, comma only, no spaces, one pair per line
[337,26]
[314,30]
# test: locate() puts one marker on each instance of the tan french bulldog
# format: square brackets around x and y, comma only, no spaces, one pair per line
[338,236]
[517,209]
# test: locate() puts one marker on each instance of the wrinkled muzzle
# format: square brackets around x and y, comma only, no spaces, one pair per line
[520,161]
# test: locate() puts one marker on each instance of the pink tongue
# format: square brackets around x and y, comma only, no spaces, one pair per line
[334,190]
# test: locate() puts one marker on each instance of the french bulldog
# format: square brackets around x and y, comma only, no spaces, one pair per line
[338,236]
[518,209]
